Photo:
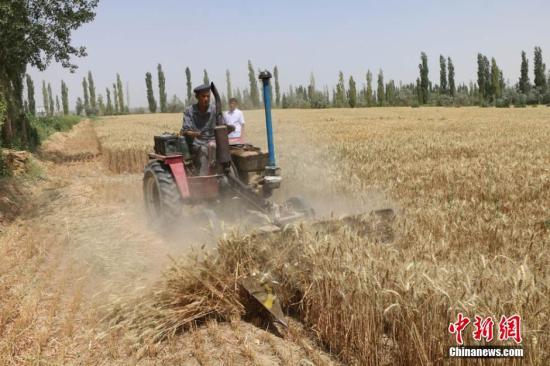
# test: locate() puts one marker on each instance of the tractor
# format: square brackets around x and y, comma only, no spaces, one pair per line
[243,171]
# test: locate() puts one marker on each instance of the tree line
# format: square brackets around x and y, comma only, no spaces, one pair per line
[34,33]
[490,88]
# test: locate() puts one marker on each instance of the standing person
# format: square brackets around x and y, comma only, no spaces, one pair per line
[235,117]
[199,121]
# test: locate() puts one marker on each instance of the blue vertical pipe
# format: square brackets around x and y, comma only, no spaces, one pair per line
[265,76]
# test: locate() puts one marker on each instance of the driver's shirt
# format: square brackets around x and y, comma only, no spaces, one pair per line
[195,120]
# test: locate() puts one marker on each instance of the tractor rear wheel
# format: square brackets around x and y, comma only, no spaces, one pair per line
[163,202]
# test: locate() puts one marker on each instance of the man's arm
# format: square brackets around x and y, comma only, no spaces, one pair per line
[188,127]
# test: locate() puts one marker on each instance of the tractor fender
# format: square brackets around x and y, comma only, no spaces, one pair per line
[178,171]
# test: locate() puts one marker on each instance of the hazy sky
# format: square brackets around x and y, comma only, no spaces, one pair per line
[300,37]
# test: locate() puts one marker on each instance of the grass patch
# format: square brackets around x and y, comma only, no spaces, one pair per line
[45,126]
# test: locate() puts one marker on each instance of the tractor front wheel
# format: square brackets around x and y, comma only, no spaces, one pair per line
[163,202]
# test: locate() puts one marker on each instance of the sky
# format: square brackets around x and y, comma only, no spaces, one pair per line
[131,37]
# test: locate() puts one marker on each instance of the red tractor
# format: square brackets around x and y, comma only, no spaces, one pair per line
[171,180]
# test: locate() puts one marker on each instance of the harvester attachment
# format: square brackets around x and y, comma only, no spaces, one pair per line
[261,290]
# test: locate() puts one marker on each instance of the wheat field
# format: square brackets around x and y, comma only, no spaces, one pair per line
[85,280]
[472,190]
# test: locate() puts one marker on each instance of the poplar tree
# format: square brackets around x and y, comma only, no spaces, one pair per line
[91,87]
[162,89]
[189,85]
[380,92]
[86,98]
[120,91]
[277,87]
[523,84]
[150,96]
[540,71]
[205,78]
[50,99]
[311,87]
[228,82]
[115,98]
[481,76]
[390,93]
[488,84]
[424,79]
[451,68]
[340,97]
[65,97]
[496,91]
[30,96]
[352,93]
[45,97]
[109,107]
[368,94]
[254,92]
[101,104]
[57,105]
[442,75]
[79,106]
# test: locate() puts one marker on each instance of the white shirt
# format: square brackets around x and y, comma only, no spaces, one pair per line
[235,118]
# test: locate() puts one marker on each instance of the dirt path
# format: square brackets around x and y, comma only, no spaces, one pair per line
[86,244]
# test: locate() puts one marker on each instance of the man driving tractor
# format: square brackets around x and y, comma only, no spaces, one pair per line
[199,121]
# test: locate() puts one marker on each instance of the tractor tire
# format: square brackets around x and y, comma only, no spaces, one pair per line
[163,202]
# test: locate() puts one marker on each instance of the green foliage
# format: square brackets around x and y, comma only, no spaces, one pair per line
[120,94]
[91,87]
[442,75]
[150,96]
[502,103]
[451,68]
[30,95]
[50,100]
[65,97]
[109,107]
[368,93]
[340,99]
[228,82]
[79,106]
[352,93]
[115,98]
[380,93]
[86,97]
[162,89]
[205,78]
[277,87]
[523,84]
[496,91]
[57,105]
[45,126]
[391,93]
[540,71]
[424,79]
[483,77]
[175,105]
[101,105]
[45,98]
[254,92]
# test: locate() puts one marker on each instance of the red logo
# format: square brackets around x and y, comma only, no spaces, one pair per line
[508,328]
[458,327]
[483,328]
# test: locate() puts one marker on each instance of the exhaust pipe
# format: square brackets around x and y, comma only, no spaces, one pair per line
[223,156]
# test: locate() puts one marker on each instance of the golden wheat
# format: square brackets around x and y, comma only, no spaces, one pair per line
[473,190]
